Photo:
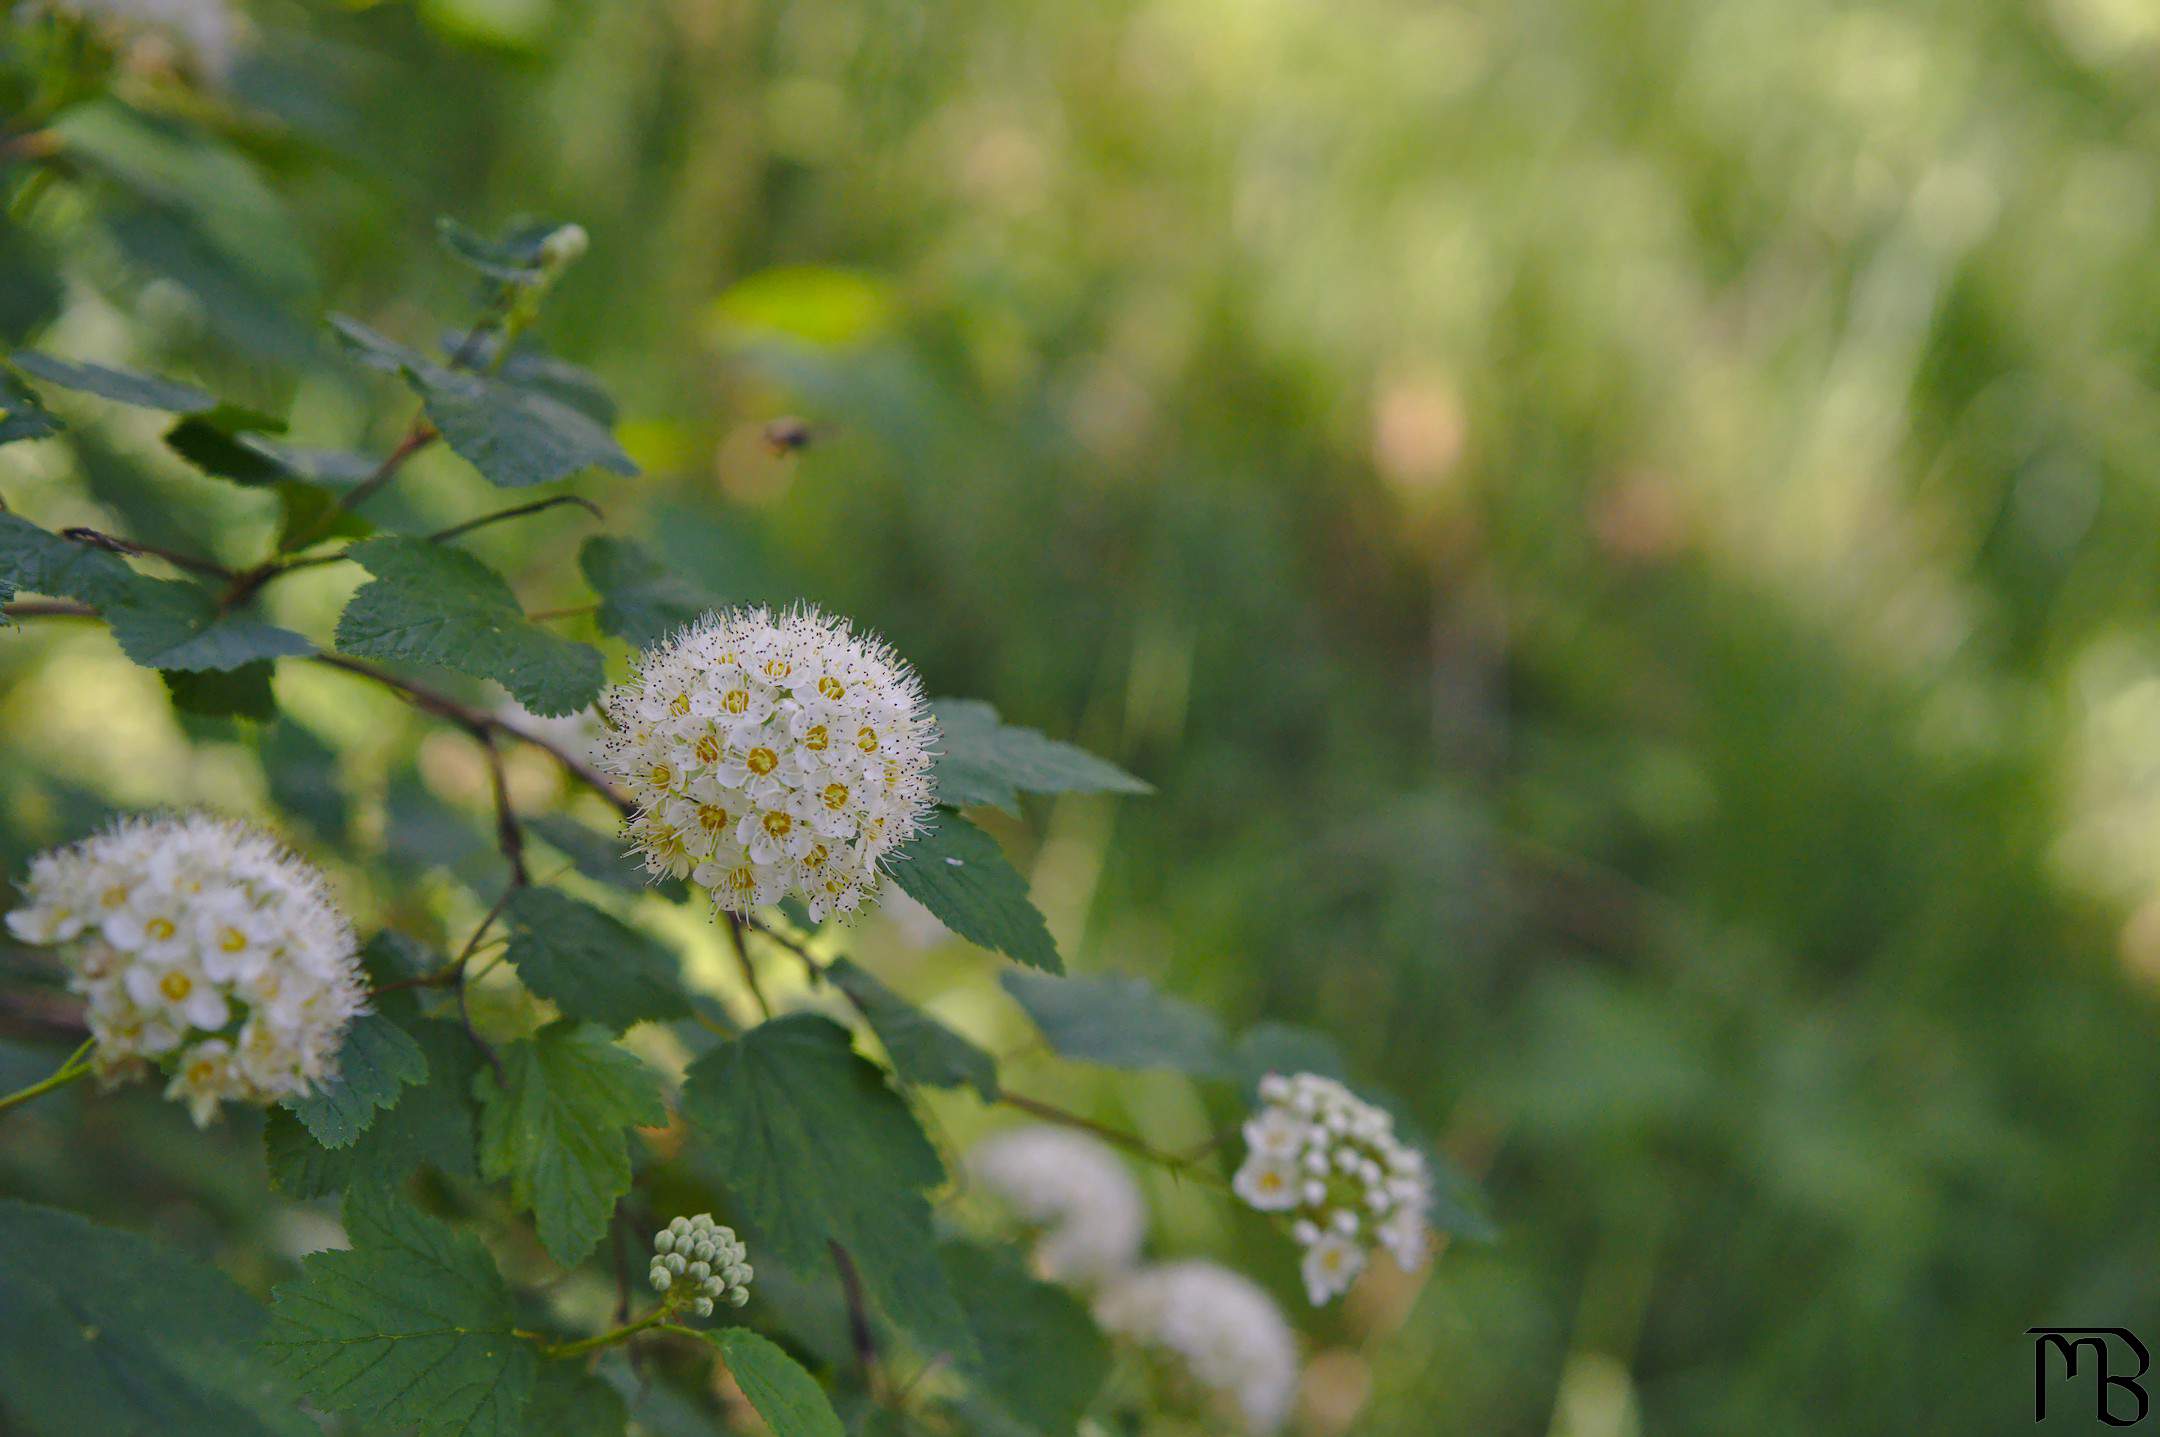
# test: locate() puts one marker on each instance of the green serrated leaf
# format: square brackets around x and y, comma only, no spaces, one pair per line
[412,1327]
[989,762]
[144,391]
[515,436]
[601,857]
[570,1402]
[172,624]
[922,1049]
[589,964]
[375,350]
[556,1127]
[957,872]
[21,415]
[242,693]
[34,561]
[787,1397]
[641,600]
[1042,1358]
[818,1150]
[430,603]
[104,1332]
[1121,1022]
[432,1124]
[378,1060]
[513,259]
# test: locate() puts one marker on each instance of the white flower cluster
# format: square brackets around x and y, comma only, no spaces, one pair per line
[1226,1332]
[772,754]
[1072,1187]
[708,1258]
[203,946]
[1318,1151]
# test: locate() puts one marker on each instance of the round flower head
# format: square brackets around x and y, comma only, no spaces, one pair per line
[1332,1164]
[1220,1332]
[697,1263]
[1072,1187]
[204,947]
[772,754]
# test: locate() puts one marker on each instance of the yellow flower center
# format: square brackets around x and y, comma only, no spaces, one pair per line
[777,668]
[232,940]
[661,775]
[176,986]
[742,880]
[708,749]
[711,817]
[866,739]
[201,1071]
[762,761]
[777,824]
[159,928]
[815,858]
[816,739]
[835,794]
[679,705]
[114,896]
[831,687]
[735,701]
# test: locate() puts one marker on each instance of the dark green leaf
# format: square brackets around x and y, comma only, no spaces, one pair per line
[33,561]
[601,857]
[1042,1359]
[989,762]
[242,693]
[957,872]
[1280,1048]
[818,1150]
[378,1060]
[430,603]
[376,351]
[302,772]
[432,1123]
[1121,1022]
[412,1327]
[571,1402]
[513,435]
[513,259]
[103,1332]
[788,1398]
[922,1049]
[556,1128]
[141,390]
[225,455]
[21,416]
[589,964]
[641,601]
[172,624]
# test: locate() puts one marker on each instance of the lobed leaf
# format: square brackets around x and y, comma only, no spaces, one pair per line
[556,1128]
[175,625]
[430,603]
[514,435]
[378,1060]
[411,1327]
[958,872]
[818,1150]
[431,1124]
[642,601]
[1042,1359]
[787,1397]
[589,964]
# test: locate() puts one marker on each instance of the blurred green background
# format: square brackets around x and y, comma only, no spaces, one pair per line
[1626,535]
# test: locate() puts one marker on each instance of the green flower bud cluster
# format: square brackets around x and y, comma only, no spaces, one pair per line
[695,1257]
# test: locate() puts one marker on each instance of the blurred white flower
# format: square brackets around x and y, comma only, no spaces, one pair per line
[204,946]
[579,734]
[1330,1160]
[770,755]
[1222,1329]
[1072,1187]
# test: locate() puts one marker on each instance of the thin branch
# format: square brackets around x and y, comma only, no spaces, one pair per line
[859,1333]
[1132,1143]
[49,609]
[509,836]
[113,544]
[517,511]
[742,959]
